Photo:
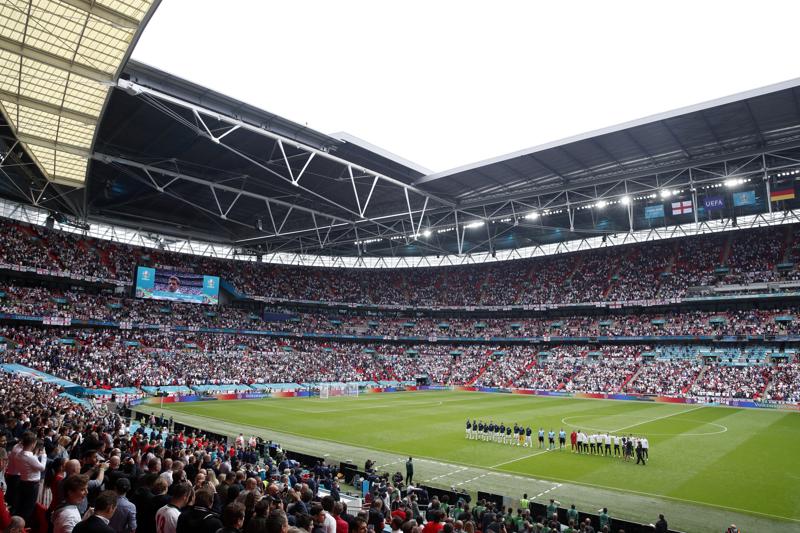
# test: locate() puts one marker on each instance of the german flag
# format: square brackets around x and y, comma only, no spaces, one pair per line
[782,194]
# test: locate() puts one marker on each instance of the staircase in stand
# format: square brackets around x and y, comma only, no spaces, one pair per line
[673,260]
[697,378]
[106,261]
[765,388]
[55,259]
[615,272]
[630,378]
[787,255]
[573,376]
[521,373]
[481,372]
[725,253]
[576,266]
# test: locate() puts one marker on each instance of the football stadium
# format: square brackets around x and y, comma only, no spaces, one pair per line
[210,312]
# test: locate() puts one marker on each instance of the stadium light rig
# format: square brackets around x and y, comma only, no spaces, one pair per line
[476,224]
[532,216]
[733,182]
[626,200]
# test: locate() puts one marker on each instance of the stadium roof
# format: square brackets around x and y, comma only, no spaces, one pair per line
[58,60]
[763,118]
[176,158]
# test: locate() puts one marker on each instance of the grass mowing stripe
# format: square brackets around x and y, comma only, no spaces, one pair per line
[411,425]
[525,474]
[658,418]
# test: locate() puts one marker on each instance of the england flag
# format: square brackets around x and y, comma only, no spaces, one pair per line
[682,208]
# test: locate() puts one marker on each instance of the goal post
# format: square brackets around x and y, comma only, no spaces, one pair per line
[328,390]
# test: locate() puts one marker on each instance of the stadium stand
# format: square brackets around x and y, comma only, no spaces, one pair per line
[706,316]
[635,272]
[119,341]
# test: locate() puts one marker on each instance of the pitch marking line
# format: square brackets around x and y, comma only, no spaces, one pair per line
[473,479]
[390,464]
[520,458]
[658,418]
[458,471]
[557,485]
[525,474]
[722,429]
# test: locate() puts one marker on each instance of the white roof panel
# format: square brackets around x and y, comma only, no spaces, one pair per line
[47,50]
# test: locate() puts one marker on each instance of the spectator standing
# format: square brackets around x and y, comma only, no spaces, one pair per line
[124,518]
[104,507]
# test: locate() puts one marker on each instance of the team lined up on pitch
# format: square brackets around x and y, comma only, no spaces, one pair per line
[604,444]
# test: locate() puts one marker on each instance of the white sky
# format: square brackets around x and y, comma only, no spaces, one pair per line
[445,83]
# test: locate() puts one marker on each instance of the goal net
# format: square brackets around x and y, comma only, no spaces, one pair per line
[327,391]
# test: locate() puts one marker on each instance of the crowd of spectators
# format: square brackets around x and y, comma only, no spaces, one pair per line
[665,378]
[99,472]
[732,381]
[658,270]
[103,358]
[90,458]
[607,369]
[111,307]
[785,385]
[506,368]
[96,474]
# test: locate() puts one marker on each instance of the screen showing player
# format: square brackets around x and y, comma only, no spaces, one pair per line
[159,284]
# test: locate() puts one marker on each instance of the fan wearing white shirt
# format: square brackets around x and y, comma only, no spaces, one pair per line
[12,475]
[30,466]
[66,516]
[167,516]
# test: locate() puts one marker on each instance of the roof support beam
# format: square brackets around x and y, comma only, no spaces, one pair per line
[336,221]
[46,143]
[627,176]
[106,13]
[104,158]
[140,89]
[47,107]
[550,169]
[53,60]
[711,129]
[675,139]
[755,123]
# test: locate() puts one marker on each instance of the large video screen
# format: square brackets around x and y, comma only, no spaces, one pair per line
[160,284]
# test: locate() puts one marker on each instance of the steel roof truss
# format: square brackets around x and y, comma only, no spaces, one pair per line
[135,88]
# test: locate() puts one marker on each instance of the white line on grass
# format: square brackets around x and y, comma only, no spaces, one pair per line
[722,429]
[557,485]
[525,474]
[520,458]
[458,471]
[473,479]
[657,418]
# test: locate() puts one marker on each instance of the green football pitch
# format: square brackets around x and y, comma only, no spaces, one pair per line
[709,466]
